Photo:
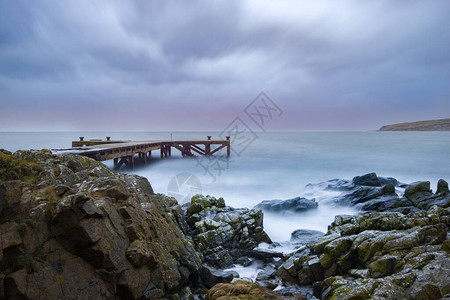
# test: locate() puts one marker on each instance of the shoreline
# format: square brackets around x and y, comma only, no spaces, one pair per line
[101,219]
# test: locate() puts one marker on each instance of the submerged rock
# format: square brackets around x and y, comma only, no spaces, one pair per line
[297,204]
[304,236]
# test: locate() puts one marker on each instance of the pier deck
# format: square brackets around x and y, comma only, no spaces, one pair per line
[124,152]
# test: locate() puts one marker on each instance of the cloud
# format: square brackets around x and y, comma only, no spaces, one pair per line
[321,58]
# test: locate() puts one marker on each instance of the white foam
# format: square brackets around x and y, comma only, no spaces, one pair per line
[250,271]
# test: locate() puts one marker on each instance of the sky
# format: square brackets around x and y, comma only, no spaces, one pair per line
[196,65]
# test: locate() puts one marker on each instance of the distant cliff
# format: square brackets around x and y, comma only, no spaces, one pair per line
[430,125]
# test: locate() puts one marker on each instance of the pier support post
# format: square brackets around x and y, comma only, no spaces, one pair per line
[186,150]
[228,146]
[143,157]
[131,162]
[127,160]
[165,151]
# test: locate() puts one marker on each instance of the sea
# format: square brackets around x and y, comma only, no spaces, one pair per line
[274,165]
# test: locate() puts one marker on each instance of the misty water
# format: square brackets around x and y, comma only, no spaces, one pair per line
[278,166]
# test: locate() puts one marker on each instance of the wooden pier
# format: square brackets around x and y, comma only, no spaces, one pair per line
[125,152]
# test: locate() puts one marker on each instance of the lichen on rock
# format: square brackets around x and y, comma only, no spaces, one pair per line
[222,233]
[81,231]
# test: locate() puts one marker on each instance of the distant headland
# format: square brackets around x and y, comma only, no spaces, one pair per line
[429,125]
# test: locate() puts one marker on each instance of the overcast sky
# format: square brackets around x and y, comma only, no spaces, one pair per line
[195,65]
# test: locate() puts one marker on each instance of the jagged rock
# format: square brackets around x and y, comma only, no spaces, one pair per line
[211,276]
[80,231]
[199,203]
[266,273]
[288,270]
[289,291]
[224,234]
[417,187]
[139,254]
[383,266]
[388,189]
[372,193]
[269,284]
[377,256]
[382,255]
[370,179]
[442,187]
[297,204]
[335,185]
[390,180]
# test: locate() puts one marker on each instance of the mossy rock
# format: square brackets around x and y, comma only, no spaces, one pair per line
[12,168]
[243,290]
[339,246]
[383,266]
[419,186]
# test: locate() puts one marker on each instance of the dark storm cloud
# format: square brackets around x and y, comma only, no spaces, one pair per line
[361,63]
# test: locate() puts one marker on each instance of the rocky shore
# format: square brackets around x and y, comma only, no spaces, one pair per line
[71,228]
[428,125]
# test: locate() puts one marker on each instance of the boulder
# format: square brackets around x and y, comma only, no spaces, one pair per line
[369,179]
[390,180]
[381,255]
[265,254]
[266,273]
[382,266]
[442,187]
[245,290]
[417,187]
[297,204]
[81,231]
[210,276]
[372,193]
[418,193]
[224,234]
[305,236]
